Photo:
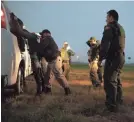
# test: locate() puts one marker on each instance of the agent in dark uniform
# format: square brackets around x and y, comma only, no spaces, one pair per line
[52,55]
[34,48]
[112,49]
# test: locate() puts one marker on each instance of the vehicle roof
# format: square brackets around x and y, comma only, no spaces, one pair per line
[8,11]
[5,7]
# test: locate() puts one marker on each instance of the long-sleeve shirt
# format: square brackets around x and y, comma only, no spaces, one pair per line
[106,41]
[113,41]
[49,48]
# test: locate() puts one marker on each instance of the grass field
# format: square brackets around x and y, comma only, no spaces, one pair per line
[81,106]
[85,66]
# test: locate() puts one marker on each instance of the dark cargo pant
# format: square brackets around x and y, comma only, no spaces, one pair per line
[36,67]
[112,82]
[56,68]
[44,67]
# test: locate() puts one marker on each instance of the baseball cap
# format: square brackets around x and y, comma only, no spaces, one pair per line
[45,31]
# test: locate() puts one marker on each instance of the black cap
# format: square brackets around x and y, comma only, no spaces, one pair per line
[45,31]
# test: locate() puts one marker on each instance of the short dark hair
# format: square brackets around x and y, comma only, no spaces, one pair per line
[114,14]
[45,31]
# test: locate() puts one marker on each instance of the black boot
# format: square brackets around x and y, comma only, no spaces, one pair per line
[39,91]
[120,102]
[47,90]
[112,108]
[67,91]
[98,85]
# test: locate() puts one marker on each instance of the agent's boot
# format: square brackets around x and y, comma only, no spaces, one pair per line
[112,108]
[47,90]
[39,91]
[67,91]
[98,85]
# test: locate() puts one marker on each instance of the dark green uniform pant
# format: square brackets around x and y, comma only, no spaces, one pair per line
[112,82]
[36,67]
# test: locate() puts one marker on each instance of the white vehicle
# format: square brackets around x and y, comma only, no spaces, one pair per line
[15,65]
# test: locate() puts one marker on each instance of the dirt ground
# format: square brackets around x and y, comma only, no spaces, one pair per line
[83,105]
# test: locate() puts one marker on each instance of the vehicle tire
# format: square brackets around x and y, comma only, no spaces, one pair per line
[20,84]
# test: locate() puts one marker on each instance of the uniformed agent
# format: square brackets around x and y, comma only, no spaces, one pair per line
[65,60]
[17,29]
[112,49]
[52,55]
